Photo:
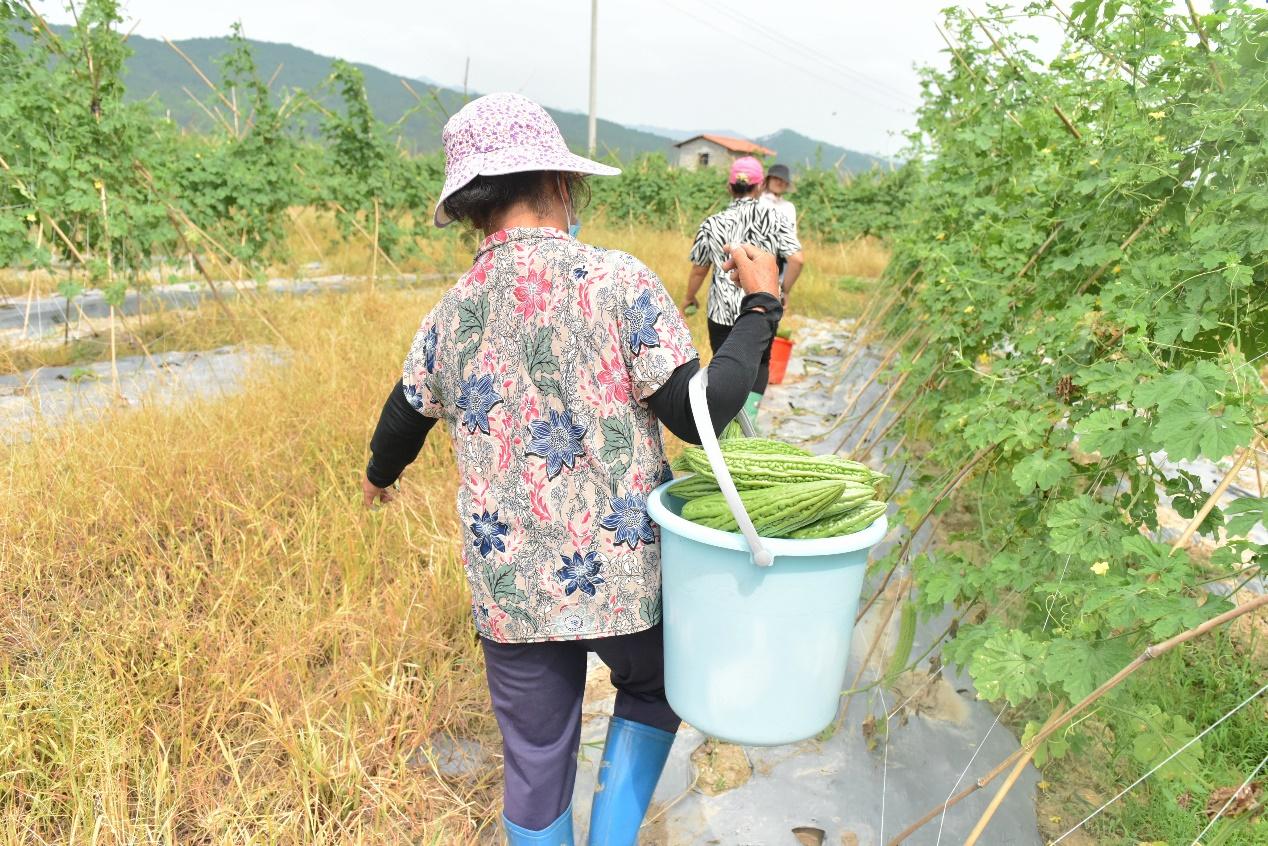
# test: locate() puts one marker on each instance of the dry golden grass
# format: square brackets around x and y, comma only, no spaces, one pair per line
[204,639]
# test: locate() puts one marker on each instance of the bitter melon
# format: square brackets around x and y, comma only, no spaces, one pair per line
[775,512]
[848,523]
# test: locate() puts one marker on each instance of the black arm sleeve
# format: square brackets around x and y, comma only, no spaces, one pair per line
[732,372]
[397,439]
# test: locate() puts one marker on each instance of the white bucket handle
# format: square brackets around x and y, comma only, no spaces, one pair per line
[762,557]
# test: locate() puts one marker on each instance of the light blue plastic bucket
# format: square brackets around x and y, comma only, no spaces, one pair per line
[756,655]
[757,630]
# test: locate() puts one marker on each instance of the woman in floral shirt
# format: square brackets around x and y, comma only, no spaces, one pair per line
[553,363]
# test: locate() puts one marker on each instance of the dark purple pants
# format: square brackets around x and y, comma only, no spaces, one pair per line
[537,690]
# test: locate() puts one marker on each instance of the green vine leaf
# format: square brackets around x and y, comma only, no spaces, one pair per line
[1043,470]
[1242,515]
[1187,431]
[1008,665]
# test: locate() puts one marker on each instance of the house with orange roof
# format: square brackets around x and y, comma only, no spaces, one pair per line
[717,151]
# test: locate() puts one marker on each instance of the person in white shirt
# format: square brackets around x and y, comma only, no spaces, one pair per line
[778,183]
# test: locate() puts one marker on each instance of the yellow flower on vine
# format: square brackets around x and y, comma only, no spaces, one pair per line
[1094,162]
[1158,139]
[1157,115]
[30,217]
[1100,568]
[941,236]
[98,184]
[969,309]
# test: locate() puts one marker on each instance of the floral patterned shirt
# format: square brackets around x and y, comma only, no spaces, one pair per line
[541,359]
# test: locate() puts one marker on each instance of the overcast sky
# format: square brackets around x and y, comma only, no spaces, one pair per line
[837,71]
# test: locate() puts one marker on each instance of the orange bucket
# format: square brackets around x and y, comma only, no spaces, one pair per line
[780,350]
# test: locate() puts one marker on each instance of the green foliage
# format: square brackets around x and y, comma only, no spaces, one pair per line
[831,205]
[1097,296]
[365,179]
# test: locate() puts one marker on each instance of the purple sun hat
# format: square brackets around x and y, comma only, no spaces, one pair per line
[504,133]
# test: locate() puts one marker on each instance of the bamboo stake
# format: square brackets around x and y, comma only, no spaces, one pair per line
[860,338]
[1069,124]
[1213,498]
[1020,73]
[1114,60]
[888,396]
[1121,248]
[862,389]
[202,270]
[1043,248]
[972,73]
[946,491]
[215,88]
[1150,652]
[881,632]
[880,413]
[30,294]
[1004,788]
[297,219]
[105,231]
[52,36]
[896,419]
[869,319]
[1259,476]
[374,254]
[1206,43]
[215,115]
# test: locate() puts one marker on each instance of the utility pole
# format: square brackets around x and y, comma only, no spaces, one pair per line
[594,73]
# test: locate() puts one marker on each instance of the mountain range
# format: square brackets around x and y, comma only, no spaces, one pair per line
[157,71]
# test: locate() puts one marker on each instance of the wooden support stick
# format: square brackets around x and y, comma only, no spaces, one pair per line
[973,73]
[1043,248]
[296,218]
[353,220]
[1114,60]
[946,491]
[895,420]
[867,383]
[1206,42]
[998,798]
[1150,652]
[202,270]
[1022,74]
[215,115]
[887,397]
[1213,498]
[1069,125]
[1259,476]
[1121,248]
[215,88]
[880,413]
[374,254]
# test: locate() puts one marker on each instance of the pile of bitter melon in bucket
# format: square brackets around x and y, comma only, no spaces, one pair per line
[787,491]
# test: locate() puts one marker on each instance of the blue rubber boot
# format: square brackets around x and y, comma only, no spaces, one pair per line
[633,758]
[558,833]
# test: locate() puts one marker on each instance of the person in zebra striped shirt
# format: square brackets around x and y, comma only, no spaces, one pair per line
[744,221]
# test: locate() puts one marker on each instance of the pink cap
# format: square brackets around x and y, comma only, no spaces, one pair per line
[746,170]
[505,133]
